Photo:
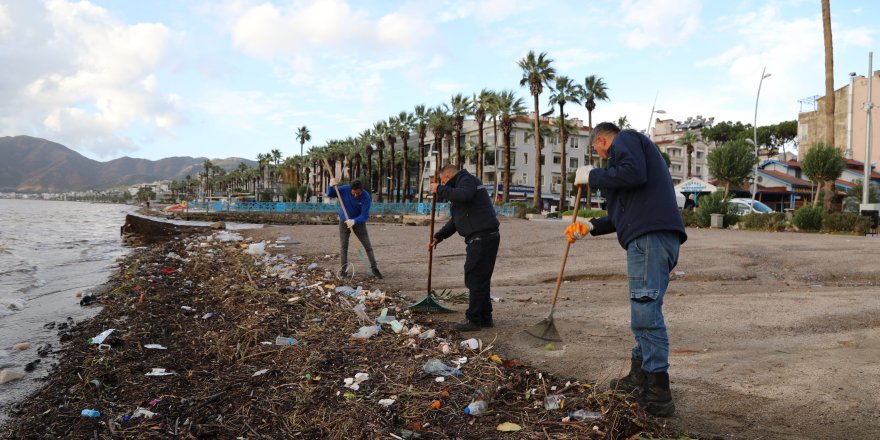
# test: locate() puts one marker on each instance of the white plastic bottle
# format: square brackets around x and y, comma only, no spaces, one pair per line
[476,408]
[281,340]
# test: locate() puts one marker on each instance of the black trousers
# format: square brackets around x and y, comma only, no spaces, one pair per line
[478,267]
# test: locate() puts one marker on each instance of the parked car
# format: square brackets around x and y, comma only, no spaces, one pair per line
[742,206]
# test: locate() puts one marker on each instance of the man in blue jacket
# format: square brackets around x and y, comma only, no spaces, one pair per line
[357,204]
[474,218]
[642,209]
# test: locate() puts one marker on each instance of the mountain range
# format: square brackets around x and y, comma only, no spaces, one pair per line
[29,164]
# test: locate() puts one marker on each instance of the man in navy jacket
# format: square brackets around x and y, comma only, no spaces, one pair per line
[474,218]
[642,209]
[357,204]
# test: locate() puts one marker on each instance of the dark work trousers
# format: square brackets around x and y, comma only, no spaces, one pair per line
[361,232]
[478,267]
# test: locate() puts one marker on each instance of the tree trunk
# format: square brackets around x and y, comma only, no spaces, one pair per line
[536,200]
[829,73]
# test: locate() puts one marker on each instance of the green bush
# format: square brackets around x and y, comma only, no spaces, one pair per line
[553,215]
[774,222]
[520,209]
[589,213]
[846,222]
[808,218]
[689,217]
[716,203]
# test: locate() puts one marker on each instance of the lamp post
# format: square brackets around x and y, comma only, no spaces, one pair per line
[754,142]
[651,119]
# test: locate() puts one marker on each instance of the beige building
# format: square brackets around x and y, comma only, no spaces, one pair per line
[811,124]
[666,134]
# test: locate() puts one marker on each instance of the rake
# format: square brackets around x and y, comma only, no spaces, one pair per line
[428,303]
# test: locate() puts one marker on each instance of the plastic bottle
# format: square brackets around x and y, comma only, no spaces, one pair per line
[476,408]
[437,367]
[554,401]
[90,413]
[281,340]
[585,415]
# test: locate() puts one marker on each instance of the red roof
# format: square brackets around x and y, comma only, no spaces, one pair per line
[787,178]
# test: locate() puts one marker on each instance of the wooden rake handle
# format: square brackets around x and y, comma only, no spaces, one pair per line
[561,274]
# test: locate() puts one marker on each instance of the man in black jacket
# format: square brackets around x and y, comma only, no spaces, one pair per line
[474,218]
[642,209]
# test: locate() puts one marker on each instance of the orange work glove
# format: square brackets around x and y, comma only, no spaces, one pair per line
[577,231]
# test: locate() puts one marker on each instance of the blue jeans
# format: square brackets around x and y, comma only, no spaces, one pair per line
[649,259]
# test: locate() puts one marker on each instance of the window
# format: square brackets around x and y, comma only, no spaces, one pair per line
[512,160]
[525,178]
[699,155]
[572,162]
[525,158]
[676,167]
[699,171]
[513,137]
[543,162]
[573,142]
[557,160]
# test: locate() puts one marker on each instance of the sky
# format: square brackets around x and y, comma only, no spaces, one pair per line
[154,79]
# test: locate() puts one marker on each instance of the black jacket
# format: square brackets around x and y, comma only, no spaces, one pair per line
[472,209]
[639,190]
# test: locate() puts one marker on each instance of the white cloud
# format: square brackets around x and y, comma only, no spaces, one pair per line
[661,23]
[81,76]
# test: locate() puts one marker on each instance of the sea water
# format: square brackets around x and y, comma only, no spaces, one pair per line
[50,251]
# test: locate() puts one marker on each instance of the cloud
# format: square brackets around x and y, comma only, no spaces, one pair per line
[663,23]
[81,77]
[267,31]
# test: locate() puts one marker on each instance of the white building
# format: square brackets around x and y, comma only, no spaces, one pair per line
[666,134]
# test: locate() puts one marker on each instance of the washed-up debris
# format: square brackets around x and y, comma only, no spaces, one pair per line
[21,346]
[99,339]
[7,375]
[226,378]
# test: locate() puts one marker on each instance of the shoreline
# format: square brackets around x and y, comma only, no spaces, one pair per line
[213,305]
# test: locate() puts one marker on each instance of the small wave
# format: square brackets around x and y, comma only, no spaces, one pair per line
[10,306]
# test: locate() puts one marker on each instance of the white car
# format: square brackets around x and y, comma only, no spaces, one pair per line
[742,206]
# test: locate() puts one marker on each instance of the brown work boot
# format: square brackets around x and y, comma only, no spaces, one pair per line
[632,381]
[656,398]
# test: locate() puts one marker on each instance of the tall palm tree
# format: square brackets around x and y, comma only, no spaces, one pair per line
[391,138]
[493,110]
[406,122]
[565,91]
[421,116]
[688,139]
[829,73]
[481,102]
[595,89]
[622,123]
[379,129]
[366,140]
[459,107]
[207,165]
[439,123]
[303,135]
[537,73]
[509,106]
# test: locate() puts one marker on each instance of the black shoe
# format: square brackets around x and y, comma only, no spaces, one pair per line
[656,397]
[632,381]
[466,325]
[377,274]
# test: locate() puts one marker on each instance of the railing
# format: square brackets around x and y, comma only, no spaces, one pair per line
[328,208]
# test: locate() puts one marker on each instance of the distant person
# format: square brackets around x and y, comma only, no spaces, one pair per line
[643,210]
[689,202]
[357,204]
[474,218]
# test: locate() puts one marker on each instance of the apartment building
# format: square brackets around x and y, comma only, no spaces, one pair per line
[522,157]
[666,134]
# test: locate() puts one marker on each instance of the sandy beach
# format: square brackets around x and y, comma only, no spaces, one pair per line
[773,335]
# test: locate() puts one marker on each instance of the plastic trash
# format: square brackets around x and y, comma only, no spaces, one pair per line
[386,402]
[257,248]
[384,318]
[90,413]
[472,343]
[396,326]
[142,412]
[159,372]
[585,416]
[476,408]
[313,266]
[281,340]
[428,334]
[260,372]
[366,332]
[361,311]
[155,346]
[354,382]
[554,401]
[101,336]
[437,367]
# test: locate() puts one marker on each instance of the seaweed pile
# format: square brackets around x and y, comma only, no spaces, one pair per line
[215,336]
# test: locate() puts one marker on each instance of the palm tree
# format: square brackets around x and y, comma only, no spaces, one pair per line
[537,73]
[421,116]
[688,139]
[391,138]
[459,107]
[595,89]
[829,77]
[303,135]
[379,129]
[481,102]
[622,123]
[439,123]
[207,165]
[406,121]
[366,140]
[509,107]
[493,110]
[566,91]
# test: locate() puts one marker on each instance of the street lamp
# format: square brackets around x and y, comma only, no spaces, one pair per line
[651,119]
[754,140]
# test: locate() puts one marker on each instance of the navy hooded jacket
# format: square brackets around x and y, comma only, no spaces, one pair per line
[638,190]
[472,209]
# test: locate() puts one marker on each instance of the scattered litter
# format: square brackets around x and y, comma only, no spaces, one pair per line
[257,248]
[312,266]
[207,315]
[360,311]
[187,308]
[585,416]
[155,347]
[396,326]
[428,334]
[142,412]
[439,379]
[260,372]
[225,236]
[21,346]
[384,318]
[444,348]
[101,337]
[366,332]
[160,372]
[354,383]
[554,401]
[509,427]
[281,340]
[90,413]
[7,375]
[472,343]
[437,367]
[386,402]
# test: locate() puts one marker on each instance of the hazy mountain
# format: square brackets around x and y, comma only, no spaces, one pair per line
[29,164]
